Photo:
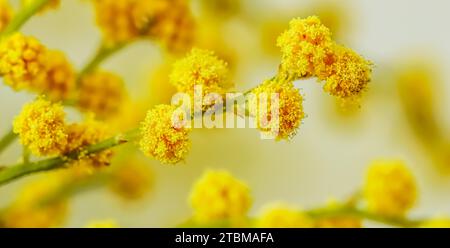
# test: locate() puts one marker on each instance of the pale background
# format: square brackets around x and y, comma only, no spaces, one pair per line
[326,159]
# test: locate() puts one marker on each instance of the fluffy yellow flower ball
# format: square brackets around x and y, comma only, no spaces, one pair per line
[6,14]
[305,42]
[102,93]
[290,108]
[283,216]
[390,188]
[162,138]
[57,79]
[27,65]
[21,60]
[347,74]
[41,127]
[309,51]
[217,196]
[30,210]
[200,68]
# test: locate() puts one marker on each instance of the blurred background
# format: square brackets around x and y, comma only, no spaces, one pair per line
[404,115]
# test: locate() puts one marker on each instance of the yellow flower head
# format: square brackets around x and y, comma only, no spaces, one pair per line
[30,209]
[173,25]
[27,65]
[41,127]
[283,216]
[84,134]
[346,73]
[290,108]
[302,45]
[219,196]
[109,223]
[308,50]
[21,61]
[102,93]
[200,68]
[390,188]
[132,180]
[169,21]
[161,139]
[57,79]
[119,20]
[6,14]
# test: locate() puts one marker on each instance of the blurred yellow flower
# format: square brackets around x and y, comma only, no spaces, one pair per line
[173,25]
[390,188]
[30,208]
[108,223]
[41,127]
[290,108]
[21,60]
[161,139]
[27,65]
[6,14]
[283,216]
[57,79]
[417,82]
[102,93]
[168,21]
[217,195]
[200,68]
[132,180]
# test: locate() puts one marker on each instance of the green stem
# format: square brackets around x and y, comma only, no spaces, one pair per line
[363,214]
[7,140]
[11,173]
[23,16]
[103,52]
[26,155]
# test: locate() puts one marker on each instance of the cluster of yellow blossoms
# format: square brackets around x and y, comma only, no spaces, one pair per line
[309,51]
[218,198]
[26,64]
[42,128]
[167,21]
[389,192]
